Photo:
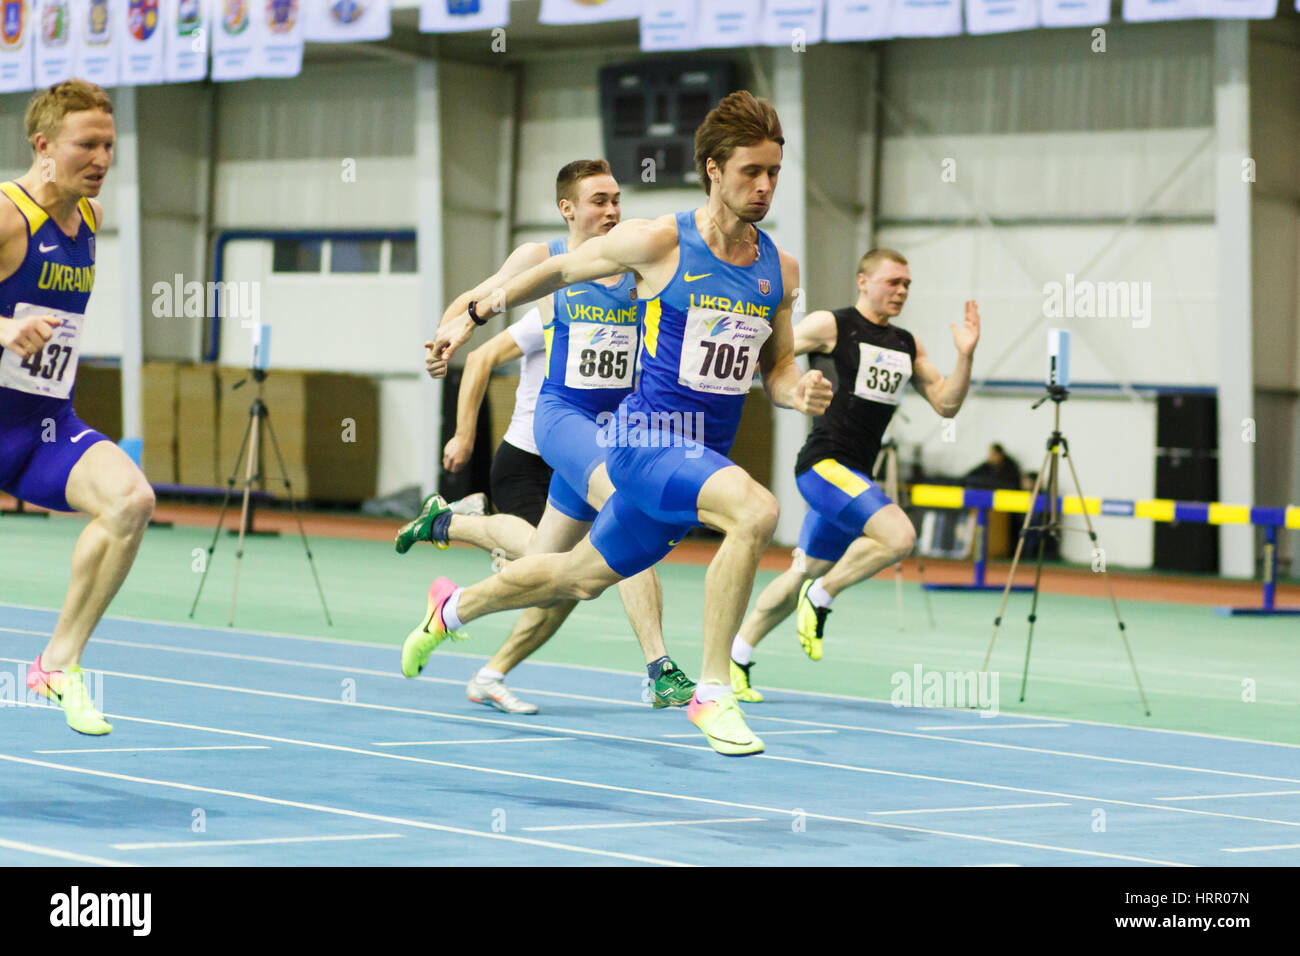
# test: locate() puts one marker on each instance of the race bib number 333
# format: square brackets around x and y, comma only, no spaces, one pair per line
[51,371]
[720,351]
[882,373]
[600,356]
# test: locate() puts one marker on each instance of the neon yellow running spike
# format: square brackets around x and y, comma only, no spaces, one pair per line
[422,641]
[723,724]
[67,689]
[740,684]
[810,622]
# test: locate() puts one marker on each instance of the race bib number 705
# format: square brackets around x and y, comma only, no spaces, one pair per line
[720,351]
[51,371]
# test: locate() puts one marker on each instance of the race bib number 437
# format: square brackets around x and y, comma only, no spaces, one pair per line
[52,370]
[882,373]
[720,351]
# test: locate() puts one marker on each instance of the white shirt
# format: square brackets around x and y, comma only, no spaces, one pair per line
[527,333]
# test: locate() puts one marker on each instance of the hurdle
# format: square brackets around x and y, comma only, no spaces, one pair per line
[984,500]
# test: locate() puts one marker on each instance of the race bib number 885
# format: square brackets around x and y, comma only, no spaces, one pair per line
[51,371]
[882,373]
[720,351]
[600,356]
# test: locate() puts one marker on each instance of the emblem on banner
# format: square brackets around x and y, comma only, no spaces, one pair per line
[99,30]
[463,8]
[281,15]
[13,21]
[54,23]
[347,11]
[188,18]
[764,287]
[234,16]
[142,18]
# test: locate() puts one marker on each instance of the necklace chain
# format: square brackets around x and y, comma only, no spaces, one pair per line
[724,235]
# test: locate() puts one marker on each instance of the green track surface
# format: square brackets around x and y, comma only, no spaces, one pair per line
[1200,671]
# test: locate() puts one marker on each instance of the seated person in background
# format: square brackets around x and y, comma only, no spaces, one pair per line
[999,470]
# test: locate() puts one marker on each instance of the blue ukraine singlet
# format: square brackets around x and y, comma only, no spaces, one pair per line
[591,341]
[56,274]
[703,334]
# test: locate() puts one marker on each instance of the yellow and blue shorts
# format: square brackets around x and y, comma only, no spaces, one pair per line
[841,501]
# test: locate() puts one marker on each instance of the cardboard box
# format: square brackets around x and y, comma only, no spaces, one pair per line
[196,426]
[158,410]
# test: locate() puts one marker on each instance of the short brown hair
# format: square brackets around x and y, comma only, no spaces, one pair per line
[46,110]
[739,119]
[575,172]
[874,257]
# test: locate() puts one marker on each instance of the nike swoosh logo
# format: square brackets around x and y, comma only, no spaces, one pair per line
[579,292]
[45,248]
[690,278]
[80,436]
[673,544]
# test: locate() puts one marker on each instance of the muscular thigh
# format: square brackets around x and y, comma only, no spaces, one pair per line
[556,533]
[103,478]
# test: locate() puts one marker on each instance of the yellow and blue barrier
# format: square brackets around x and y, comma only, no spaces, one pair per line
[984,500]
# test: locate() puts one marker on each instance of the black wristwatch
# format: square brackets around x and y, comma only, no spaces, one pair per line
[472,317]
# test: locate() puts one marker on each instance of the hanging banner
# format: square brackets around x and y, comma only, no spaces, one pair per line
[562,12]
[55,53]
[1000,16]
[1074,13]
[670,25]
[926,18]
[848,20]
[451,16]
[16,46]
[187,30]
[790,22]
[728,23]
[347,21]
[1240,9]
[142,43]
[97,34]
[283,31]
[236,41]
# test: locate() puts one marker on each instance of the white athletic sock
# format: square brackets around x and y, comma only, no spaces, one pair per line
[817,594]
[707,690]
[741,652]
[449,617]
[487,676]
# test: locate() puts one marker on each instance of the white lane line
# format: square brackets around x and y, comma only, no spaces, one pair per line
[664,743]
[1225,796]
[659,823]
[766,733]
[59,854]
[1003,806]
[205,843]
[371,645]
[138,750]
[987,726]
[339,811]
[784,720]
[443,743]
[671,796]
[1259,849]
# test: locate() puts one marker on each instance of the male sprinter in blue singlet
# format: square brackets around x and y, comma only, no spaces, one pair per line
[591,338]
[853,530]
[48,456]
[718,299]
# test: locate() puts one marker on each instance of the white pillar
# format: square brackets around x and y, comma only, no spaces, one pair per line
[429,261]
[126,214]
[1232,222]
[789,428]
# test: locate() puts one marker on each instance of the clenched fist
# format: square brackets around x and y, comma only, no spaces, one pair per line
[813,393]
[27,336]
